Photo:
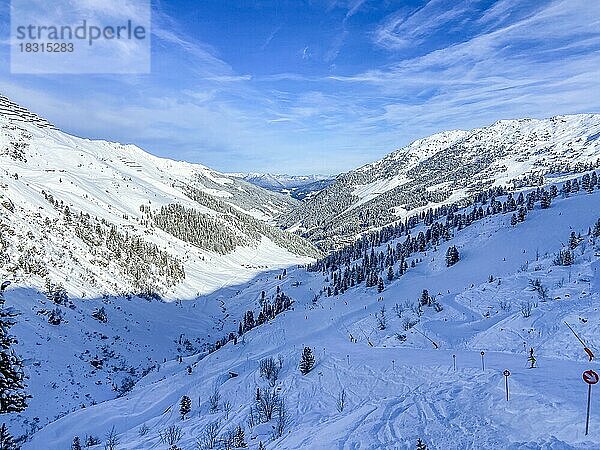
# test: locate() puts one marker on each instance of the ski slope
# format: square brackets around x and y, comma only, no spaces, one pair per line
[397,391]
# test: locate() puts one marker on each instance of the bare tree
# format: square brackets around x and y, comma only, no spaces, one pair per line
[269,369]
[267,404]
[226,408]
[282,420]
[228,439]
[171,435]
[210,436]
[526,309]
[253,417]
[398,309]
[143,430]
[112,440]
[505,305]
[541,290]
[407,324]
[341,401]
[214,399]
[381,319]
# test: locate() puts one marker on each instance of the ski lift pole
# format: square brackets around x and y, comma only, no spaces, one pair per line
[585,347]
[426,337]
[575,334]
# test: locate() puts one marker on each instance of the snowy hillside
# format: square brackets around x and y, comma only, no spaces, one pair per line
[444,168]
[106,218]
[384,351]
[299,187]
[476,241]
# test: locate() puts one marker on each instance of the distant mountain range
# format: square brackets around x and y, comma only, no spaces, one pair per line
[299,187]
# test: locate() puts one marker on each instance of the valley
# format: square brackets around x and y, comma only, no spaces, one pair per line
[138,281]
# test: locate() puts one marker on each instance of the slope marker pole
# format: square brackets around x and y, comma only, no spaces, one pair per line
[587,417]
[590,377]
[506,375]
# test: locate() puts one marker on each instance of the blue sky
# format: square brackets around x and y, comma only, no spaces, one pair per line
[324,86]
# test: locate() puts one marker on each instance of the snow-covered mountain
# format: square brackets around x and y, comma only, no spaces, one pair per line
[503,269]
[391,364]
[444,168]
[107,218]
[299,187]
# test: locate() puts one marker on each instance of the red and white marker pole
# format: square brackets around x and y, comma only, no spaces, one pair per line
[590,377]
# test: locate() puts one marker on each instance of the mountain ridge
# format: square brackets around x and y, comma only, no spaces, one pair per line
[443,168]
[67,202]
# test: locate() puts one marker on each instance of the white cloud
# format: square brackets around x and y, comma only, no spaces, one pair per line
[306,53]
[406,28]
[519,62]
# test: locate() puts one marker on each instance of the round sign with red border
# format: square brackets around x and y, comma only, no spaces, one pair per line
[590,377]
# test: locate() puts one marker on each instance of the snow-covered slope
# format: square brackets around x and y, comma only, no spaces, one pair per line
[397,386]
[299,187]
[444,168]
[107,218]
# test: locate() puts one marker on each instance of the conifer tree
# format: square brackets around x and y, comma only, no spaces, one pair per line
[596,231]
[402,266]
[573,241]
[239,438]
[12,387]
[307,362]
[545,200]
[452,256]
[6,440]
[425,299]
[421,445]
[566,189]
[185,406]
[568,258]
[575,186]
[390,275]
[76,445]
[585,183]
